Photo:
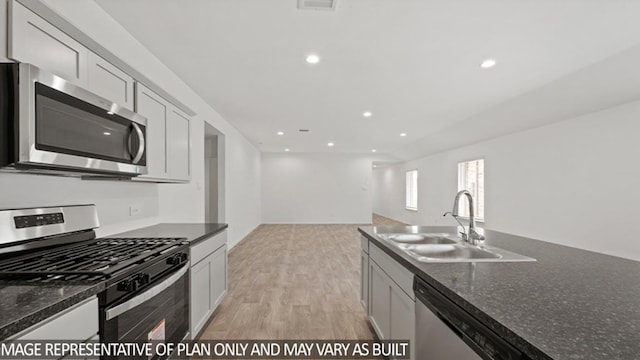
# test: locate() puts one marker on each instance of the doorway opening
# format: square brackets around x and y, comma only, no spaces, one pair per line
[214,183]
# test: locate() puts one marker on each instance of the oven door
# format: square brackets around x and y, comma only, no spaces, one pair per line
[160,313]
[63,126]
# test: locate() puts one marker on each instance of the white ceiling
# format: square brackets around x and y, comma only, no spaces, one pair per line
[414,64]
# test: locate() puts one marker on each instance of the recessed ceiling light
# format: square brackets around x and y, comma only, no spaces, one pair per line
[367,114]
[375,165]
[313,59]
[403,134]
[287,150]
[373,150]
[330,144]
[107,133]
[110,112]
[280,133]
[488,63]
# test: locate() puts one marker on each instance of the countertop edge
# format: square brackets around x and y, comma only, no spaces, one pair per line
[503,331]
[15,327]
[208,234]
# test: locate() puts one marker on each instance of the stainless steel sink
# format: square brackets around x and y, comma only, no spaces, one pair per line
[448,248]
[462,252]
[420,238]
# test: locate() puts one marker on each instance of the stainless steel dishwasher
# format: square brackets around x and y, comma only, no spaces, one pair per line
[446,331]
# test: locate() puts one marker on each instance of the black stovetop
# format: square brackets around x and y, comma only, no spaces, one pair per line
[87,260]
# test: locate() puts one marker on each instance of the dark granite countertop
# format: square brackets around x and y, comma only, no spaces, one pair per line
[569,304]
[193,232]
[22,306]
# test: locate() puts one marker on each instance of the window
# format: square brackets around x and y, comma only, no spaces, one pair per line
[471,178]
[411,190]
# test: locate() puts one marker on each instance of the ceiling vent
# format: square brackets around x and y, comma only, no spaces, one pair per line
[317,4]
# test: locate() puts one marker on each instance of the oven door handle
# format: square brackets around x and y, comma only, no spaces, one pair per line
[140,151]
[147,295]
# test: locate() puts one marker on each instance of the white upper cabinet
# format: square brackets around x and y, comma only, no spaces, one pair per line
[156,110]
[178,145]
[33,40]
[109,82]
[168,138]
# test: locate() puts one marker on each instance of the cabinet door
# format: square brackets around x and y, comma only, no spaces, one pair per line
[379,300]
[178,146]
[200,295]
[364,280]
[156,110]
[33,40]
[218,276]
[402,311]
[110,82]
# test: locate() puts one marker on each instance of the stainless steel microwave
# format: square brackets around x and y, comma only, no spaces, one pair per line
[48,124]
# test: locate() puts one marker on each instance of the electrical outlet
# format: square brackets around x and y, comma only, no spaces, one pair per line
[134,210]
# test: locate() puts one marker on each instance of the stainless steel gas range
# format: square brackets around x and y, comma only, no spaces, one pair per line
[147,279]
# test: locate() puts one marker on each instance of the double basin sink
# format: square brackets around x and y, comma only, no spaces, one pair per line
[446,248]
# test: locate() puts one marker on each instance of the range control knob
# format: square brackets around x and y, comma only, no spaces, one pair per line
[133,283]
[142,279]
[128,285]
[177,259]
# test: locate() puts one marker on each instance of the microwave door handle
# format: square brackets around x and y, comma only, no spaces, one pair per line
[140,150]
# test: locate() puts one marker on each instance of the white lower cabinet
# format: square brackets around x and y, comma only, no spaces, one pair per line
[208,280]
[364,281]
[77,323]
[391,309]
[402,317]
[379,301]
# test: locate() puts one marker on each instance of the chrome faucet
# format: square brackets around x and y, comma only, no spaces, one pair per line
[471,236]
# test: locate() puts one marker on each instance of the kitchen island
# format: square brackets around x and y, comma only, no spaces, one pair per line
[569,304]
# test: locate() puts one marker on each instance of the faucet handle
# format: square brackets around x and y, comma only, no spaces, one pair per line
[474,235]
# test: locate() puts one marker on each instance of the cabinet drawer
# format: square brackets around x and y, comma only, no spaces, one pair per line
[398,273]
[202,249]
[80,322]
[364,242]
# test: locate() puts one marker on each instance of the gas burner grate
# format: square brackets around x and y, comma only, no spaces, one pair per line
[87,260]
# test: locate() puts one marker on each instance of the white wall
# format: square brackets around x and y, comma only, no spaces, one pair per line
[175,202]
[316,188]
[574,183]
[112,198]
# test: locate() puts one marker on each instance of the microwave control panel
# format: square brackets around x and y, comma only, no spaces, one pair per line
[38,220]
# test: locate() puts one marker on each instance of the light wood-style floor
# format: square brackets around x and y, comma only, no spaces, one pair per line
[296,282]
